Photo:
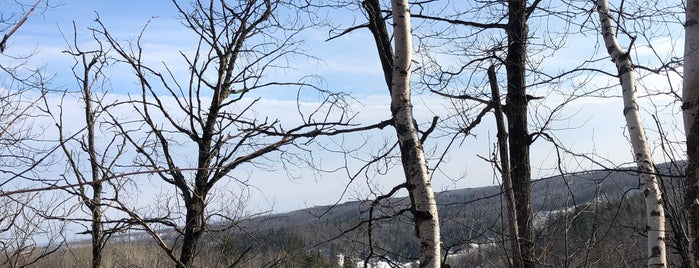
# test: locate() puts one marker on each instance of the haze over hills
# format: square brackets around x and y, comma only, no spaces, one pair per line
[570,211]
[469,217]
[548,194]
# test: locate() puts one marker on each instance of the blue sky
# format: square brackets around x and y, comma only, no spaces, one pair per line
[587,126]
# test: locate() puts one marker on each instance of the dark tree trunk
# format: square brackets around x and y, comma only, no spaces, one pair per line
[519,138]
[193,230]
[97,228]
[94,203]
[505,167]
[692,189]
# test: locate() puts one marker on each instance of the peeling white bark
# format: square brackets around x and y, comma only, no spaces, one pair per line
[412,155]
[655,213]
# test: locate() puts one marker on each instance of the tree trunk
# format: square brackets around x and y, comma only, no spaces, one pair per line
[505,170]
[519,138]
[194,227]
[654,210]
[97,231]
[412,155]
[94,203]
[690,96]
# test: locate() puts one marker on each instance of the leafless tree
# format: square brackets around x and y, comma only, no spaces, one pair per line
[90,154]
[417,175]
[651,190]
[505,168]
[509,18]
[212,112]
[27,231]
[484,43]
[397,69]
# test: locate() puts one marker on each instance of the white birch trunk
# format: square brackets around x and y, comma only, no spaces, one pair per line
[690,99]
[655,214]
[412,155]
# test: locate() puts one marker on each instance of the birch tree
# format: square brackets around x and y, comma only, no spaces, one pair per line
[655,214]
[690,98]
[397,71]
[412,154]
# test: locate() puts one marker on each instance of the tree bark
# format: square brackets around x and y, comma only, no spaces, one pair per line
[519,138]
[654,210]
[690,98]
[194,227]
[94,204]
[412,154]
[91,64]
[505,170]
[377,26]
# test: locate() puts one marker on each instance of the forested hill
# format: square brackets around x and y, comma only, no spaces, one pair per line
[470,218]
[578,217]
[549,194]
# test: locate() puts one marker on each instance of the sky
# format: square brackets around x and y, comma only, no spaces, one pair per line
[589,126]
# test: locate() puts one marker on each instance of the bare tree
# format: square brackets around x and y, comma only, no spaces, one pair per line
[412,155]
[27,235]
[518,130]
[91,154]
[27,232]
[653,197]
[397,71]
[505,170]
[512,19]
[213,113]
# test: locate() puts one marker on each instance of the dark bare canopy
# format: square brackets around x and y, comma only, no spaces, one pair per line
[212,111]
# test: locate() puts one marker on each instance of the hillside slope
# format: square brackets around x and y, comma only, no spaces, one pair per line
[470,218]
